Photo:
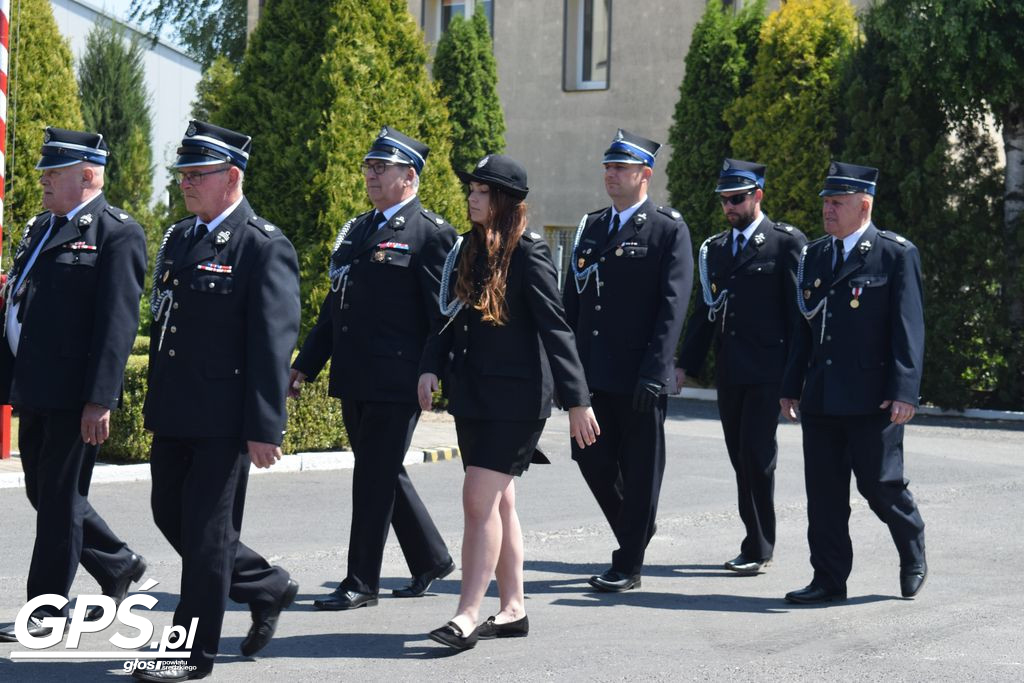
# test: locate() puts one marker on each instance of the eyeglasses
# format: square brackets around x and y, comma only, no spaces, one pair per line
[195,178]
[735,199]
[379,168]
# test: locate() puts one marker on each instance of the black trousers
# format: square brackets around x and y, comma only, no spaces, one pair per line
[198,499]
[750,418]
[383,495]
[872,448]
[624,469]
[58,469]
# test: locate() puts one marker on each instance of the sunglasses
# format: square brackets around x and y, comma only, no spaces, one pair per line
[736,199]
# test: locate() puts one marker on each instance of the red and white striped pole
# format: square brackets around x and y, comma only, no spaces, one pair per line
[5,33]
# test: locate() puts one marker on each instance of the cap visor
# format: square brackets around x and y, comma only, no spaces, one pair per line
[733,186]
[55,162]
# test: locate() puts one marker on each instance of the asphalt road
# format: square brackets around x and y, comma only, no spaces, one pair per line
[692,620]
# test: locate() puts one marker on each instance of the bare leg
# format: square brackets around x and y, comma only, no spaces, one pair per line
[510,560]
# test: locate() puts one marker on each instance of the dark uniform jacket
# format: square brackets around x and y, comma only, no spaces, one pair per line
[630,329]
[871,351]
[79,313]
[374,336]
[221,370]
[511,371]
[752,330]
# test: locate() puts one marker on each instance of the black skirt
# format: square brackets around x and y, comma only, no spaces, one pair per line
[506,446]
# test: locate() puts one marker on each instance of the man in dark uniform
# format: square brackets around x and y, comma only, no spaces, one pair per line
[632,271]
[225,320]
[71,315]
[385,275]
[856,368]
[746,305]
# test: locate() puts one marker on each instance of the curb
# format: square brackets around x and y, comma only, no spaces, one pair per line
[297,462]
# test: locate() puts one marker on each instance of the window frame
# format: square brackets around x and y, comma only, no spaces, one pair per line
[572,49]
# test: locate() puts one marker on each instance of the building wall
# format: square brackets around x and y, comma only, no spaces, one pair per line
[171,79]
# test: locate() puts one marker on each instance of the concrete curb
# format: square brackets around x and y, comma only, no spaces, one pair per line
[971,413]
[298,462]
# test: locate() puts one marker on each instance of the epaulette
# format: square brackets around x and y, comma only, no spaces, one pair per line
[32,221]
[719,234]
[599,211]
[181,222]
[786,227]
[432,217]
[117,214]
[264,226]
[670,212]
[890,235]
[531,236]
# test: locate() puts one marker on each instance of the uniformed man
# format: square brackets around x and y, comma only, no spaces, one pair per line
[855,367]
[746,305]
[632,270]
[70,316]
[385,275]
[225,321]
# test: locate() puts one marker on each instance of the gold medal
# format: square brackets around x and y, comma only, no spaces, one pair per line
[618,252]
[817,282]
[714,288]
[854,303]
[807,294]
[582,262]
[378,256]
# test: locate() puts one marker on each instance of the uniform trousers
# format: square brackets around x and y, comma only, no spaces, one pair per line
[58,469]
[624,469]
[750,418]
[383,495]
[872,448]
[198,499]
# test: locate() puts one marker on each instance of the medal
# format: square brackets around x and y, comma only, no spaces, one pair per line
[618,252]
[714,288]
[581,262]
[807,294]
[167,274]
[378,256]
[817,282]
[854,303]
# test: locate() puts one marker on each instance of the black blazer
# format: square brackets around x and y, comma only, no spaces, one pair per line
[511,371]
[630,329]
[222,368]
[374,338]
[80,311]
[752,331]
[872,351]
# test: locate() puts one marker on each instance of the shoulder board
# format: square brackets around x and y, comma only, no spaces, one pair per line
[720,234]
[898,239]
[531,236]
[432,217]
[118,214]
[264,226]
[597,213]
[670,212]
[32,221]
[786,227]
[182,222]
[821,241]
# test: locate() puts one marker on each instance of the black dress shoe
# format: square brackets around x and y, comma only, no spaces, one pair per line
[120,590]
[421,584]
[264,620]
[615,582]
[34,626]
[813,595]
[164,675]
[520,628]
[342,600]
[741,564]
[911,580]
[451,635]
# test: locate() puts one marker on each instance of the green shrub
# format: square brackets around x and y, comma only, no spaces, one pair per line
[141,345]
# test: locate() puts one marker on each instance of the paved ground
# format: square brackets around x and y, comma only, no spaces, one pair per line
[691,620]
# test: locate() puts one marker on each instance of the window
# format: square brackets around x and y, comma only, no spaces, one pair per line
[587,44]
[438,14]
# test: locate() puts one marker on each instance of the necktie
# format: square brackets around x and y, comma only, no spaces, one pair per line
[614,230]
[839,258]
[379,221]
[58,223]
[740,242]
[198,233]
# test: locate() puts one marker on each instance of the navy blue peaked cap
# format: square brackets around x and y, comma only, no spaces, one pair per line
[398,148]
[846,178]
[205,144]
[627,148]
[737,174]
[67,147]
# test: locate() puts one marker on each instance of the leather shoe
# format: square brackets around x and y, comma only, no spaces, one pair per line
[451,635]
[615,582]
[264,620]
[812,595]
[342,600]
[35,629]
[420,584]
[120,591]
[519,628]
[168,674]
[741,564]
[911,580]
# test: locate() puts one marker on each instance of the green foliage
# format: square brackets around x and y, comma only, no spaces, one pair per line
[43,93]
[467,77]
[787,119]
[718,70]
[111,83]
[207,28]
[319,80]
[314,419]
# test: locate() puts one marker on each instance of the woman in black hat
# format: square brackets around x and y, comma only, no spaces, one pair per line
[508,351]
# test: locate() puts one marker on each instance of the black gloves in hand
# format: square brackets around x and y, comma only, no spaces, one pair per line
[646,394]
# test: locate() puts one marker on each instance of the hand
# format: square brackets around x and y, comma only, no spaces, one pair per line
[646,394]
[680,380]
[583,426]
[425,390]
[263,454]
[296,378]
[901,413]
[95,424]
[790,408]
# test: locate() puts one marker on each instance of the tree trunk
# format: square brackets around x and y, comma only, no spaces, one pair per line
[1013,241]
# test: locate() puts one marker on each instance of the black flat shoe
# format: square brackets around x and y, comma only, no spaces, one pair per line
[519,628]
[345,600]
[264,620]
[451,635]
[34,626]
[615,582]
[741,564]
[912,580]
[168,674]
[812,595]
[120,590]
[421,584]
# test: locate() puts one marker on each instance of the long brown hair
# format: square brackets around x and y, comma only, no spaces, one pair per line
[498,241]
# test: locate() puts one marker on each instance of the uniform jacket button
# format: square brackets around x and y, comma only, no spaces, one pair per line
[344,328]
[176,283]
[595,333]
[171,353]
[828,361]
[602,259]
[175,305]
[238,371]
[173,329]
[355,261]
[597,307]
